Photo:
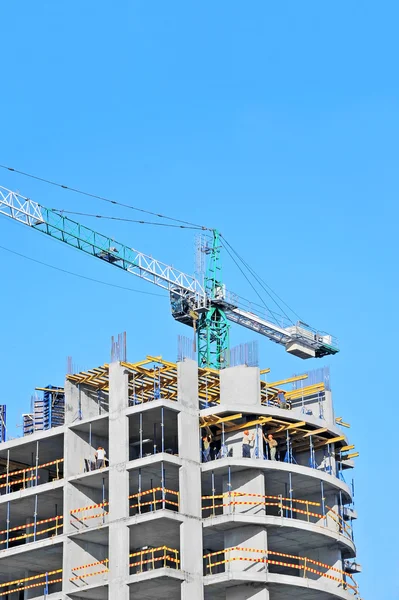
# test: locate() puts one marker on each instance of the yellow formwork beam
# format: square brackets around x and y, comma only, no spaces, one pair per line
[219,420]
[288,380]
[339,421]
[316,431]
[264,371]
[346,448]
[339,438]
[348,456]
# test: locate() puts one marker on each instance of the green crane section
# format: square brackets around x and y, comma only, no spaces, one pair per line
[205,307]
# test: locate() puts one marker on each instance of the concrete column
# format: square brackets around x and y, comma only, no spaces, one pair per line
[254,539]
[245,482]
[190,481]
[240,387]
[246,592]
[118,483]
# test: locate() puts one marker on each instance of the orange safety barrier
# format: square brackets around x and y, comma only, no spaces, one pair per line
[343,527]
[164,557]
[154,500]
[27,469]
[89,566]
[27,525]
[24,481]
[75,511]
[18,582]
[265,559]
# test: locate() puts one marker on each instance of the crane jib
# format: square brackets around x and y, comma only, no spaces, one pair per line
[206,308]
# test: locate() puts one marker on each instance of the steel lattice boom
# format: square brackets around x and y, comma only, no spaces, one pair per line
[206,308]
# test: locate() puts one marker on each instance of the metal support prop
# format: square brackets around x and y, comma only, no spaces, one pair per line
[288,451]
[139,494]
[163,484]
[103,499]
[312,460]
[90,448]
[341,510]
[223,452]
[35,519]
[155,438]
[229,487]
[163,429]
[80,414]
[37,462]
[290,491]
[8,524]
[213,493]
[8,473]
[141,434]
[56,519]
[323,504]
[257,441]
[46,586]
[329,459]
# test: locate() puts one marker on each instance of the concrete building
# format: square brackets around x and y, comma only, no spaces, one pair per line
[147,492]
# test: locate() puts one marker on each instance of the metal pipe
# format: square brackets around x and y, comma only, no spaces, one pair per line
[141,434]
[323,505]
[288,452]
[8,472]
[229,487]
[37,462]
[103,499]
[290,491]
[139,495]
[163,484]
[90,448]
[8,523]
[223,445]
[213,493]
[163,429]
[35,519]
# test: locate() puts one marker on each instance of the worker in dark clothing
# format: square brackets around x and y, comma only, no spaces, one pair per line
[206,446]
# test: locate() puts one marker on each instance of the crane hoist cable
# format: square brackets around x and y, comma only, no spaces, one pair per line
[262,283]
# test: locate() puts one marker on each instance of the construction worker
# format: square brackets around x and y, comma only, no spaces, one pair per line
[206,445]
[272,443]
[99,455]
[247,442]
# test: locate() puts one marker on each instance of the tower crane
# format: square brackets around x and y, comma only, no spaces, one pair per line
[207,306]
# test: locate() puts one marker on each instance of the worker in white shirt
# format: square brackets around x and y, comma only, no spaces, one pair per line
[247,443]
[100,456]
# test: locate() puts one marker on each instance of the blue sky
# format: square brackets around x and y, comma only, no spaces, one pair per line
[278,123]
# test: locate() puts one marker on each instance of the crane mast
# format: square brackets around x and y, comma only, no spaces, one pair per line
[207,308]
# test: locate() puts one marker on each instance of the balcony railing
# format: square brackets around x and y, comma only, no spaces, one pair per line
[13,481]
[43,580]
[149,558]
[154,499]
[294,508]
[221,560]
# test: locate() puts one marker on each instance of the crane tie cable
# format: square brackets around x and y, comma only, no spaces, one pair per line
[72,212]
[103,198]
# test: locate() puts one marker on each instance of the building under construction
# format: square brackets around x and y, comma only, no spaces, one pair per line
[158,480]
